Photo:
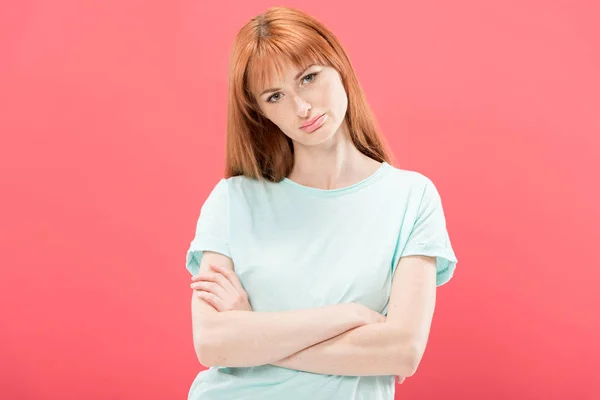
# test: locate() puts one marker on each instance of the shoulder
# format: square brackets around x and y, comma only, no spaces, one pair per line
[238,181]
[225,185]
[408,181]
[243,183]
[244,188]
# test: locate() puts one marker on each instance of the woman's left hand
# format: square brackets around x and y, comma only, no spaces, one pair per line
[221,289]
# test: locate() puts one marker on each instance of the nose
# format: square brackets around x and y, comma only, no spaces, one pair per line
[302,106]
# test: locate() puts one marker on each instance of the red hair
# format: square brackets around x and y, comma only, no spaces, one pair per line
[282,36]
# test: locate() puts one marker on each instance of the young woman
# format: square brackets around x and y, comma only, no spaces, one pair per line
[315,261]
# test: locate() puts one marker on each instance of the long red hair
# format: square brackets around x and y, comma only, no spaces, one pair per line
[282,36]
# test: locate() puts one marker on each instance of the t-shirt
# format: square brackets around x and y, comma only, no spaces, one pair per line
[297,247]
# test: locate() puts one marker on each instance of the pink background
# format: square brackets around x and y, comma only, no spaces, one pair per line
[112,122]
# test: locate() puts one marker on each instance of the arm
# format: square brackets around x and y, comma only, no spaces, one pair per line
[394,347]
[374,349]
[243,338]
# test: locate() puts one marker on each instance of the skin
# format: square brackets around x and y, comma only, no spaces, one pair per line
[326,158]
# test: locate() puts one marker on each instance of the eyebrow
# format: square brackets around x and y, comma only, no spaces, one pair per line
[295,78]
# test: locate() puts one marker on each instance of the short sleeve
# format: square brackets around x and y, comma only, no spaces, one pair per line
[428,235]
[212,228]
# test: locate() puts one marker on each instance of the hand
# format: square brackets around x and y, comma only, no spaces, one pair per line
[221,289]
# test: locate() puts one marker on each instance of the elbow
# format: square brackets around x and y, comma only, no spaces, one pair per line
[205,346]
[205,352]
[210,349]
[212,353]
[410,357]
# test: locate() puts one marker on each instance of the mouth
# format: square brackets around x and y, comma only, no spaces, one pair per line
[314,124]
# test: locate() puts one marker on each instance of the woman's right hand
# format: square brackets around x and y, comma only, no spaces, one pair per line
[221,289]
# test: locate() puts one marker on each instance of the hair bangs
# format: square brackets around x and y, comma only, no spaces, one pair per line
[273,55]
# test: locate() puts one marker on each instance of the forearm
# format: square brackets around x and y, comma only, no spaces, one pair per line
[244,338]
[374,349]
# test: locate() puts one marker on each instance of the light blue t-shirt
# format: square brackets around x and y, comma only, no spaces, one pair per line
[296,247]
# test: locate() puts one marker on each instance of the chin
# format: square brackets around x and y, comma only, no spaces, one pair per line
[320,137]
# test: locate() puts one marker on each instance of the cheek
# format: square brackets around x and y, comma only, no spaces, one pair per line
[337,99]
[283,119]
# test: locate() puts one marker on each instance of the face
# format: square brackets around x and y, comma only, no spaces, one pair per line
[299,97]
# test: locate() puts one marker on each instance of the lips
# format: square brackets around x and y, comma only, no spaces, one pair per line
[310,122]
[317,124]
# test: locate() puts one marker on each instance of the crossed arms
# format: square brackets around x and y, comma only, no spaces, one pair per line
[340,339]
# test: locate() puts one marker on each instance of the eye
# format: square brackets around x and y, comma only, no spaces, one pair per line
[275,97]
[314,74]
[269,100]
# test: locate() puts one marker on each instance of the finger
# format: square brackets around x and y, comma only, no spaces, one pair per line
[202,276]
[231,277]
[212,299]
[211,287]
[222,279]
[219,279]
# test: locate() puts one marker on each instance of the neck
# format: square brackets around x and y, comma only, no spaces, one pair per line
[331,165]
